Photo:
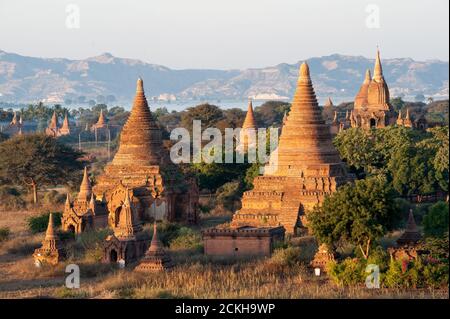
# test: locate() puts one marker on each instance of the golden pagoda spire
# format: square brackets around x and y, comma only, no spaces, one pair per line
[305,137]
[67,204]
[378,70]
[65,129]
[249,121]
[140,139]
[54,121]
[101,119]
[399,118]
[407,121]
[50,233]
[85,187]
[367,78]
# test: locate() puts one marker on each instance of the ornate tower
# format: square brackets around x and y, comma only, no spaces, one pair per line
[304,168]
[65,129]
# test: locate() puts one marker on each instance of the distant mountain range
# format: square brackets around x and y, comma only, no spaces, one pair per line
[55,80]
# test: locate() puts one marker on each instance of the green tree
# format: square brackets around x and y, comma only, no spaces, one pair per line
[412,171]
[357,147]
[35,160]
[356,214]
[209,115]
[435,222]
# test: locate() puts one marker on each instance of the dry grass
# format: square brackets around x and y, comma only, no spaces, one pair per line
[195,276]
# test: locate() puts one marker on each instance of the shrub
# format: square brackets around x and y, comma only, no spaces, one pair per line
[187,239]
[351,271]
[286,257]
[10,198]
[54,198]
[435,222]
[229,195]
[38,224]
[4,233]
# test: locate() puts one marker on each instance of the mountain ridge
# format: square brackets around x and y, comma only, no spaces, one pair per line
[26,79]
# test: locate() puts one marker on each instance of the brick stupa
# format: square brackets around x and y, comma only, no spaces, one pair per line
[248,136]
[142,165]
[304,168]
[51,251]
[155,259]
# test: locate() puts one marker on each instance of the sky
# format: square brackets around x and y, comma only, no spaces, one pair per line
[226,34]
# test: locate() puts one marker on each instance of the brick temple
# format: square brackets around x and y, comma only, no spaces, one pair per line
[304,168]
[301,172]
[158,189]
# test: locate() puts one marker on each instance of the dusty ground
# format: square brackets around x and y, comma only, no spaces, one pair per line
[194,276]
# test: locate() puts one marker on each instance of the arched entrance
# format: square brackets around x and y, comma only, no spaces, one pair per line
[71,229]
[113,256]
[373,123]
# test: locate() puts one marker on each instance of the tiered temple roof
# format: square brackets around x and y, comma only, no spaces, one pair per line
[249,122]
[304,168]
[378,91]
[411,234]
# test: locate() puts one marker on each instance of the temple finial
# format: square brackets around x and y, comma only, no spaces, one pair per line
[378,70]
[50,233]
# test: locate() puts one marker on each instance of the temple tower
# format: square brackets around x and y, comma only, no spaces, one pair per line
[143,166]
[65,129]
[371,107]
[51,251]
[302,170]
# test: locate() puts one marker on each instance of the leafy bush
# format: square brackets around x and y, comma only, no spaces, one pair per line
[435,222]
[229,195]
[38,224]
[4,233]
[351,271]
[287,257]
[187,239]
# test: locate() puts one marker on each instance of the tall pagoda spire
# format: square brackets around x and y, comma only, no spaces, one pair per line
[50,233]
[378,69]
[140,140]
[54,121]
[407,121]
[85,187]
[305,138]
[367,77]
[399,118]
[65,129]
[249,121]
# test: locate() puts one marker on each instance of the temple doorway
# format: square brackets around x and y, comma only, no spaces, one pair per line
[373,123]
[71,229]
[113,256]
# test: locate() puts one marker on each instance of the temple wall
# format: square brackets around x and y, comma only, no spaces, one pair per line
[237,246]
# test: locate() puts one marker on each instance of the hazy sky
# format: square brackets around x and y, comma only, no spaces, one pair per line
[227,33]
